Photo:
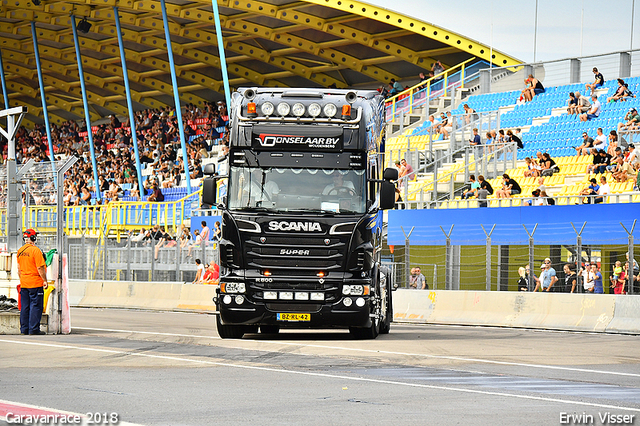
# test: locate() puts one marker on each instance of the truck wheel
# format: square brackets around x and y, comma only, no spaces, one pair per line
[269,329]
[385,327]
[369,332]
[229,331]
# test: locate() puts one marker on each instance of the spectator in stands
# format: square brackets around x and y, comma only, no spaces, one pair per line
[603,191]
[196,243]
[572,103]
[436,69]
[394,87]
[633,274]
[513,138]
[535,200]
[447,125]
[583,104]
[432,123]
[476,141]
[535,88]
[156,195]
[590,191]
[485,190]
[613,142]
[166,240]
[423,80]
[598,81]
[408,170]
[624,172]
[212,274]
[473,190]
[549,166]
[509,187]
[533,169]
[469,114]
[600,143]
[631,120]
[594,111]
[184,236]
[444,121]
[588,278]
[621,93]
[488,143]
[632,157]
[603,161]
[547,278]
[205,233]
[587,144]
[547,200]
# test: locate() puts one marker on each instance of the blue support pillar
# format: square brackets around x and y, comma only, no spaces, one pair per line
[45,112]
[132,121]
[176,96]
[85,103]
[4,84]
[223,59]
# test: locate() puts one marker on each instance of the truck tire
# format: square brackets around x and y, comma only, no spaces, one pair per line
[269,329]
[373,331]
[229,331]
[385,327]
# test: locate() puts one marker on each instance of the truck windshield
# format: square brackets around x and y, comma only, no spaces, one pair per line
[300,189]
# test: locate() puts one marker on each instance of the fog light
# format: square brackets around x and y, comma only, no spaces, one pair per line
[298,109]
[314,109]
[302,296]
[283,108]
[330,110]
[270,295]
[239,300]
[360,302]
[267,108]
[347,301]
[286,295]
[226,299]
[317,296]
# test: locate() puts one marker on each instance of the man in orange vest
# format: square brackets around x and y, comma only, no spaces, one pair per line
[32,272]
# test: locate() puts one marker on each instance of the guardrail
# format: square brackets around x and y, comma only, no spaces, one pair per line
[434,87]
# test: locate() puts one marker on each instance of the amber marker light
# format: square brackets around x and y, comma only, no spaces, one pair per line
[251,108]
[346,110]
[266,273]
[320,274]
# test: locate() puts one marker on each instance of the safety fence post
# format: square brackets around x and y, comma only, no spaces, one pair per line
[579,283]
[128,276]
[407,252]
[488,257]
[631,258]
[448,261]
[531,249]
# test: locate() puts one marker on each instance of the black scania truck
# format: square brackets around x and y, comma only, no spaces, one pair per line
[301,205]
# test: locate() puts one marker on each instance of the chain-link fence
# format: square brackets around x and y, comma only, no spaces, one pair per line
[496,267]
[124,260]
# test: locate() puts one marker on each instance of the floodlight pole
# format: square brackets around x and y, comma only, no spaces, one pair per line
[132,121]
[85,102]
[407,251]
[448,285]
[579,284]
[488,257]
[4,83]
[43,98]
[223,60]
[176,95]
[531,249]
[631,254]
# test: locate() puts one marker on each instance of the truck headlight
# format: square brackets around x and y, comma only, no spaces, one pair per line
[286,295]
[270,295]
[314,109]
[317,296]
[298,109]
[233,288]
[330,110]
[283,108]
[267,108]
[302,296]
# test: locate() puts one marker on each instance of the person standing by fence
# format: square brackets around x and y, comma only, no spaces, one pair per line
[32,273]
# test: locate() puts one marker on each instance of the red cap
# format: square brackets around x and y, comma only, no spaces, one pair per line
[29,233]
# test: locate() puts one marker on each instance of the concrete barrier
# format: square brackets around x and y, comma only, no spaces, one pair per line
[626,315]
[142,295]
[558,311]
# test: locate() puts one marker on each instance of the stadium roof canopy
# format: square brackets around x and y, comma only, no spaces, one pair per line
[287,43]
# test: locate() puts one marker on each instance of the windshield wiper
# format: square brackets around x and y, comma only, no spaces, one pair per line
[258,209]
[329,212]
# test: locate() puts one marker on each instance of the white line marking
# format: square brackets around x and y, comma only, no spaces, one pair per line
[325,375]
[452,358]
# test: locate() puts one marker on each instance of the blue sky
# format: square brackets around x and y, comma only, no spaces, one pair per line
[607,24]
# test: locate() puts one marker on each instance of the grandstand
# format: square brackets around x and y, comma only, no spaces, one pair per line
[545,127]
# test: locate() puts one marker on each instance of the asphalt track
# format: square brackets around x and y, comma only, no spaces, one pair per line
[162,368]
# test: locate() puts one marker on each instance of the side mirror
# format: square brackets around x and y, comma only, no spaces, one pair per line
[209,188]
[390,174]
[209,169]
[387,195]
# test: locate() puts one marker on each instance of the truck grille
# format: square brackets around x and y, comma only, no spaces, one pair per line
[295,253]
[293,307]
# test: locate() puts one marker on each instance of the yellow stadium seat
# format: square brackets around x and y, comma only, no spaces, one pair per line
[463,204]
[473,204]
[561,201]
[443,205]
[453,204]
[494,203]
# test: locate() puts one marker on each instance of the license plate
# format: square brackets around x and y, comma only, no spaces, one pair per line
[294,317]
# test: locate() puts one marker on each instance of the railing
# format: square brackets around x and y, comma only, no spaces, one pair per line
[485,164]
[432,88]
[117,215]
